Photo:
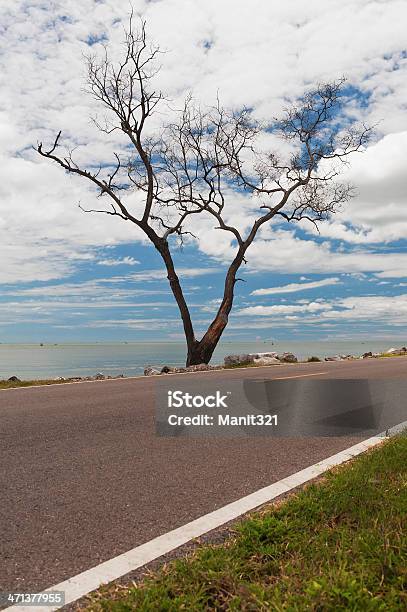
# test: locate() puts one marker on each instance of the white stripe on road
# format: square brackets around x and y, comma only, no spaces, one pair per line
[300,375]
[91,579]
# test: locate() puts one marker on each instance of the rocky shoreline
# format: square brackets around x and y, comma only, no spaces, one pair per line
[235,361]
[98,376]
[268,359]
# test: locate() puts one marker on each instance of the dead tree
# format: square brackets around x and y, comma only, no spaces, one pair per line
[194,165]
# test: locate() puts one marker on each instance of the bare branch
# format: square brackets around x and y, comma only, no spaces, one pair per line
[205,158]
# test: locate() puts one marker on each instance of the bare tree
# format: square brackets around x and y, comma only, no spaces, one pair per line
[196,163]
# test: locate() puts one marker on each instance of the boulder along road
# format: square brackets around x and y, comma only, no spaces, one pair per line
[84,477]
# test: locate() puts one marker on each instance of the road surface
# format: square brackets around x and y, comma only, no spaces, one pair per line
[83,476]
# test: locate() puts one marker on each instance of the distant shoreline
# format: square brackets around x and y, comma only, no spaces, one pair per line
[230,362]
[67,360]
[223,342]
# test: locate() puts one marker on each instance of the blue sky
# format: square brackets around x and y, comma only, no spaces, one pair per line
[71,276]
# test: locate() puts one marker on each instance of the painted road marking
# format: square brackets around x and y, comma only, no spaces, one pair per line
[89,580]
[300,375]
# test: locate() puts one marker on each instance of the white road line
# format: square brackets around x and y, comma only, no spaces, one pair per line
[91,579]
[300,375]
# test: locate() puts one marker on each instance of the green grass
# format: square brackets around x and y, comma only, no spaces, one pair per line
[8,384]
[339,544]
[236,366]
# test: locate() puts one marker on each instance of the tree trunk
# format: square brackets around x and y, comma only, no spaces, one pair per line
[163,248]
[201,351]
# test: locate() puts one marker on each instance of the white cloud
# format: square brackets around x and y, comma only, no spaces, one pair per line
[137,324]
[114,287]
[294,287]
[156,275]
[54,302]
[124,261]
[379,211]
[279,309]
[373,309]
[284,252]
[286,47]
[387,309]
[43,233]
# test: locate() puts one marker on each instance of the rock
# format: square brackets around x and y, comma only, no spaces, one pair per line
[59,378]
[200,367]
[254,358]
[335,358]
[288,358]
[312,359]
[367,355]
[99,376]
[266,361]
[14,379]
[395,351]
[238,360]
[167,370]
[150,371]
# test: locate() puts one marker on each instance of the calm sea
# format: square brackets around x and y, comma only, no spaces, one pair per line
[29,361]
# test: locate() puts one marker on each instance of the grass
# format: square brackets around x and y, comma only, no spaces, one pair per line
[236,366]
[11,384]
[339,544]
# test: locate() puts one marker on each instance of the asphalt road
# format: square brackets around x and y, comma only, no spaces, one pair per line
[84,477]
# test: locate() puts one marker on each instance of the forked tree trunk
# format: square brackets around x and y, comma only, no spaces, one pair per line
[201,351]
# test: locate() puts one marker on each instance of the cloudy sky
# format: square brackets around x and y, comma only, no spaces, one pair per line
[68,275]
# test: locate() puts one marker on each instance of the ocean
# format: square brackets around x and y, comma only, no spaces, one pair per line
[33,361]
